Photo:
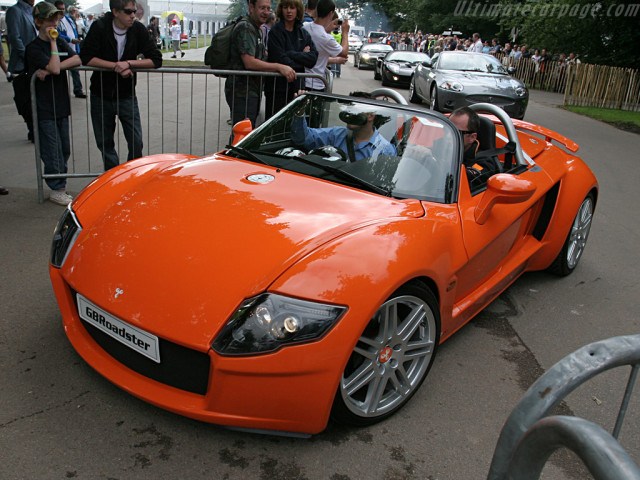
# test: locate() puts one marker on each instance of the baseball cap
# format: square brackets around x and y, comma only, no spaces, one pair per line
[45,10]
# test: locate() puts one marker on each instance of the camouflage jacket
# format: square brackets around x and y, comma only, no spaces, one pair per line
[246,39]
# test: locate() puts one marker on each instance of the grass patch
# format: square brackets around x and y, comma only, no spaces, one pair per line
[182,63]
[201,42]
[623,119]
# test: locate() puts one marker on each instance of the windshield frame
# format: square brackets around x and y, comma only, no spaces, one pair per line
[419,56]
[472,60]
[443,182]
[376,48]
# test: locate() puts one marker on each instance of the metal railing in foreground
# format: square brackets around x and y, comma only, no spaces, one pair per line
[529,436]
[182,110]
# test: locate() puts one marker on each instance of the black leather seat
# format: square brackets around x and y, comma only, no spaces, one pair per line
[486,134]
[487,143]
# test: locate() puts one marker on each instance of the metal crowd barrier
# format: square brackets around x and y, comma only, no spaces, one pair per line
[182,110]
[529,436]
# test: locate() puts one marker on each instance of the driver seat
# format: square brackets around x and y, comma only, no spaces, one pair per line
[487,143]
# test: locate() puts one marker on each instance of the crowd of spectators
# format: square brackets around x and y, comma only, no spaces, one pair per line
[48,38]
[508,52]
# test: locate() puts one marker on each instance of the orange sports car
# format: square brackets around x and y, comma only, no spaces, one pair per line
[304,273]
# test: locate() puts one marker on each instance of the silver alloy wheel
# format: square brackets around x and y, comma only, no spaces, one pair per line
[391,357]
[433,101]
[579,232]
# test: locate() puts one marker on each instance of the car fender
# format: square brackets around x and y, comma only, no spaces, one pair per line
[576,180]
[119,178]
[363,268]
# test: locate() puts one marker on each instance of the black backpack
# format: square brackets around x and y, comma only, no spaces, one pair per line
[217,55]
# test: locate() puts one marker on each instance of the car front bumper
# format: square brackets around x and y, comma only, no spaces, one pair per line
[449,100]
[396,78]
[289,391]
[368,62]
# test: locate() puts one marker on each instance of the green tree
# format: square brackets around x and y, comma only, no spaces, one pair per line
[603,33]
[237,8]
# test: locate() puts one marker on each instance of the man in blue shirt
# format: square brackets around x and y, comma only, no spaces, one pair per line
[360,132]
[68,30]
[310,11]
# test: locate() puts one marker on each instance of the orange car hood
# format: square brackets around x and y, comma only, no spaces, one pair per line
[185,244]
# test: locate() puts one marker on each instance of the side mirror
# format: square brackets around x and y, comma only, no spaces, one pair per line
[503,188]
[426,63]
[241,130]
[511,70]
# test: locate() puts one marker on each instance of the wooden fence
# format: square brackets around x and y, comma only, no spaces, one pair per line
[583,84]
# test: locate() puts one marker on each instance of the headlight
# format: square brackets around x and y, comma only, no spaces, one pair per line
[454,86]
[64,235]
[268,322]
[393,67]
[366,56]
[521,91]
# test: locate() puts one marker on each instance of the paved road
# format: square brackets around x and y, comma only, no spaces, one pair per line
[59,419]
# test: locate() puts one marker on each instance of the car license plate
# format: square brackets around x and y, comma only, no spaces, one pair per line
[134,338]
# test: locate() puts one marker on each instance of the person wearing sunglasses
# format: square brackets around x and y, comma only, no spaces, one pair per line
[468,123]
[114,43]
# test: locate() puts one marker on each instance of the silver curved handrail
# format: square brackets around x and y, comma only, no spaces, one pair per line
[599,451]
[387,92]
[552,387]
[506,122]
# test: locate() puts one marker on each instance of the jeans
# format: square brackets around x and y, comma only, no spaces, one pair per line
[103,118]
[77,84]
[55,149]
[243,107]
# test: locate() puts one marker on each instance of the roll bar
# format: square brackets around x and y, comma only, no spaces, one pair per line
[512,134]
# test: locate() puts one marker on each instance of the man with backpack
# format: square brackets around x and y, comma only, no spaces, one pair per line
[247,52]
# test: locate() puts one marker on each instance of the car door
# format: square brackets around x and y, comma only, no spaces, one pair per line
[423,77]
[499,247]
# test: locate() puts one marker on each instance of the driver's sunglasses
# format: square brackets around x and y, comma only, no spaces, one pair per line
[129,11]
[465,132]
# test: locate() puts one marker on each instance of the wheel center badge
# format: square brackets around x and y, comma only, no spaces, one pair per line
[385,355]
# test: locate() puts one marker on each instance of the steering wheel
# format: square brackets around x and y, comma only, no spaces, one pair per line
[291,152]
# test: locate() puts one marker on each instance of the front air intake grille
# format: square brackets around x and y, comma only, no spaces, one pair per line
[180,367]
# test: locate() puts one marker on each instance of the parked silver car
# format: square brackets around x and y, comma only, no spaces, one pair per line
[457,79]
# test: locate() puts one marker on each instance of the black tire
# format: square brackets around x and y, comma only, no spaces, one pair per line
[568,258]
[380,358]
[376,75]
[413,95]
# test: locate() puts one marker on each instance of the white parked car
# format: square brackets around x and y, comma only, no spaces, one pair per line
[355,42]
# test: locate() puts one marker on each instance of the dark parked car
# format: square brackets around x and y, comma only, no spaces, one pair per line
[456,79]
[398,66]
[368,54]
